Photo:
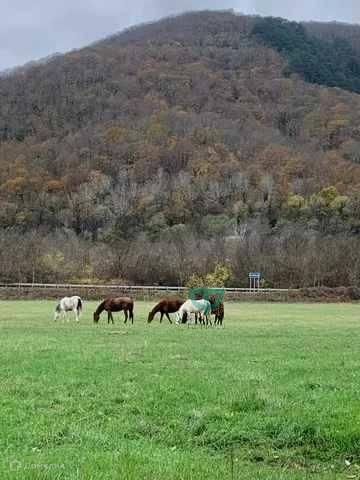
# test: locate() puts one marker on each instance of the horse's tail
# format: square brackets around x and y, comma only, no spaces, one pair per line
[131,311]
[57,311]
[79,305]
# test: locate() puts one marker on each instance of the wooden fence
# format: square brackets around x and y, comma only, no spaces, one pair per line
[94,291]
[15,291]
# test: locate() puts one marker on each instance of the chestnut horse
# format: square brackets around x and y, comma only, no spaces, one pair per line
[165,306]
[116,305]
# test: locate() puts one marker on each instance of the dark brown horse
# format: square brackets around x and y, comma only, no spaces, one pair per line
[116,305]
[165,306]
[217,309]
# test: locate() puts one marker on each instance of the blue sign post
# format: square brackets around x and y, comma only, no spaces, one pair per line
[254,279]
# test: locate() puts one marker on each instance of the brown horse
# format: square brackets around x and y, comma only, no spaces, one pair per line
[116,305]
[218,311]
[165,306]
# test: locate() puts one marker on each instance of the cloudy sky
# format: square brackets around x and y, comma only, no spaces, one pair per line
[34,29]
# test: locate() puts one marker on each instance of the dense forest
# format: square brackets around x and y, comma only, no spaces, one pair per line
[333,63]
[204,139]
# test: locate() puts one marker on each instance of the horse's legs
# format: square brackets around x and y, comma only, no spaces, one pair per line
[126,316]
[132,316]
[180,317]
[192,319]
[109,313]
[75,310]
[168,317]
[161,316]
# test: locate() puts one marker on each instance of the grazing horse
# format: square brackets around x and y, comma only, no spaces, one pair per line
[69,304]
[165,306]
[201,307]
[218,311]
[116,305]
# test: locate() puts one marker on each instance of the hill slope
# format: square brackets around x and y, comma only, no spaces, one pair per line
[138,156]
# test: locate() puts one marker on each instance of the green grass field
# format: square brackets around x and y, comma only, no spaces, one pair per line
[273,395]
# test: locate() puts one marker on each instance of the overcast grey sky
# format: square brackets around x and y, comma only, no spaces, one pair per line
[33,29]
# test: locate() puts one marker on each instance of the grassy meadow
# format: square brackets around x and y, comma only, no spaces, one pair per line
[273,395]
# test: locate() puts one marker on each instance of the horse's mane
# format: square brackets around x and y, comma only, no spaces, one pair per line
[100,308]
[156,308]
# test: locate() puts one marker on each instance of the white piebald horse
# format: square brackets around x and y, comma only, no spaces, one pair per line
[69,304]
[201,307]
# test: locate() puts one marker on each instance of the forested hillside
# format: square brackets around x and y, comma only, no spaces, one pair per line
[169,148]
